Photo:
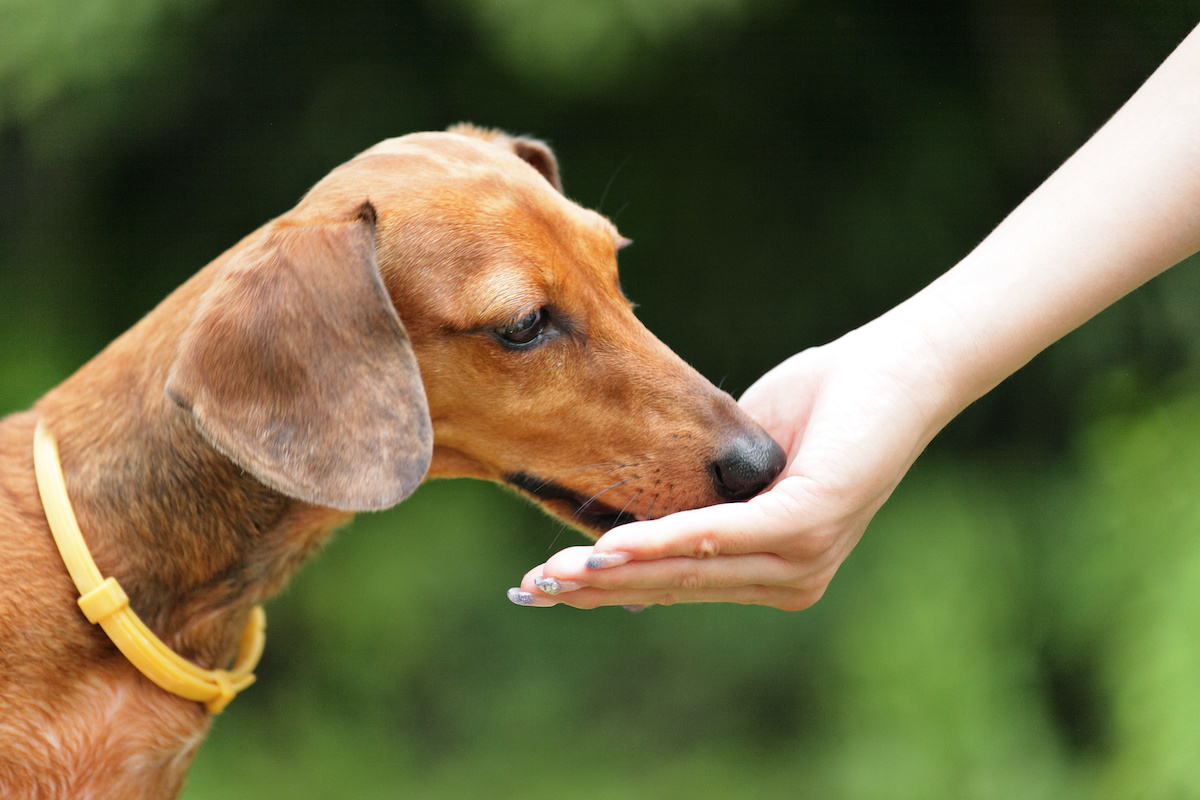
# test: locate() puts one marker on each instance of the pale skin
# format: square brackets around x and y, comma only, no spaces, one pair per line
[854,415]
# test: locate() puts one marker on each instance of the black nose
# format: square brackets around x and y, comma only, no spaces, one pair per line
[746,466]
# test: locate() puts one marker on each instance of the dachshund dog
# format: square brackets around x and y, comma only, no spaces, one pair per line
[434,307]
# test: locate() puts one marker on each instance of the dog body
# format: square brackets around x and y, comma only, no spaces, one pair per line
[434,307]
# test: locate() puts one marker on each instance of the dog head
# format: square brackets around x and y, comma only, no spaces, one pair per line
[436,306]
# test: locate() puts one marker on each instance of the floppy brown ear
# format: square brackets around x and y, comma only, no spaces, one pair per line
[534,152]
[297,368]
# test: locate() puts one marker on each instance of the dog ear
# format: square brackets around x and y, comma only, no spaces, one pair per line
[538,155]
[297,368]
[534,152]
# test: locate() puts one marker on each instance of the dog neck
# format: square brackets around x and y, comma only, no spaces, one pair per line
[196,542]
[106,604]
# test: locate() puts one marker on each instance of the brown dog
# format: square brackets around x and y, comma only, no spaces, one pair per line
[434,307]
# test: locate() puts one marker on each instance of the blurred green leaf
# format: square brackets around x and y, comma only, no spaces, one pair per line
[586,45]
[75,68]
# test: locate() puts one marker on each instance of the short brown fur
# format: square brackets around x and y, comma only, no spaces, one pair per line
[326,364]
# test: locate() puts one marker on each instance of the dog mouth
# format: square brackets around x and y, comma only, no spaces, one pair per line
[580,510]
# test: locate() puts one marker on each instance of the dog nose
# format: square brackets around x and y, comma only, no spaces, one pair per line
[746,466]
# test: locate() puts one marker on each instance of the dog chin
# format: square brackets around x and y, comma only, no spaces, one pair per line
[589,515]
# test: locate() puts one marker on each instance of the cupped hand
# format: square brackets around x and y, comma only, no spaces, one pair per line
[851,419]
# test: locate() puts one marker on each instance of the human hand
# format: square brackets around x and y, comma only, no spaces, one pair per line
[851,419]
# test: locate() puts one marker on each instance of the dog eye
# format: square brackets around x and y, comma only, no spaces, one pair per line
[523,330]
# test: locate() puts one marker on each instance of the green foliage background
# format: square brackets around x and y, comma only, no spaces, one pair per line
[1020,621]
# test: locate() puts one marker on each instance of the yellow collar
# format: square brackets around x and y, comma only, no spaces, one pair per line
[104,601]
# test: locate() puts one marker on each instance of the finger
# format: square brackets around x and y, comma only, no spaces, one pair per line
[782,597]
[538,587]
[568,566]
[674,576]
[767,523]
[788,598]
[762,579]
[673,573]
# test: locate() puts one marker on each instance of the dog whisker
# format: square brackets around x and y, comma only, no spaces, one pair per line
[611,179]
[562,526]
[615,465]
[588,502]
[625,508]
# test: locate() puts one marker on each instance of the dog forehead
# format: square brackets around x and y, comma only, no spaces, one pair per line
[463,177]
[464,218]
[525,269]
[445,158]
[481,269]
[460,192]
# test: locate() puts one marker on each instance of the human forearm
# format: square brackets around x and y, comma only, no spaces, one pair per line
[1124,208]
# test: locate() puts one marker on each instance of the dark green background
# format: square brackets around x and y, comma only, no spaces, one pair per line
[1022,619]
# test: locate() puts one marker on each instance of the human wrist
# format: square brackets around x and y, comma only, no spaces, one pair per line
[906,357]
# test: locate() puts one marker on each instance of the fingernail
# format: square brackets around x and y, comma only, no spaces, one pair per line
[606,560]
[555,586]
[634,609]
[523,598]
